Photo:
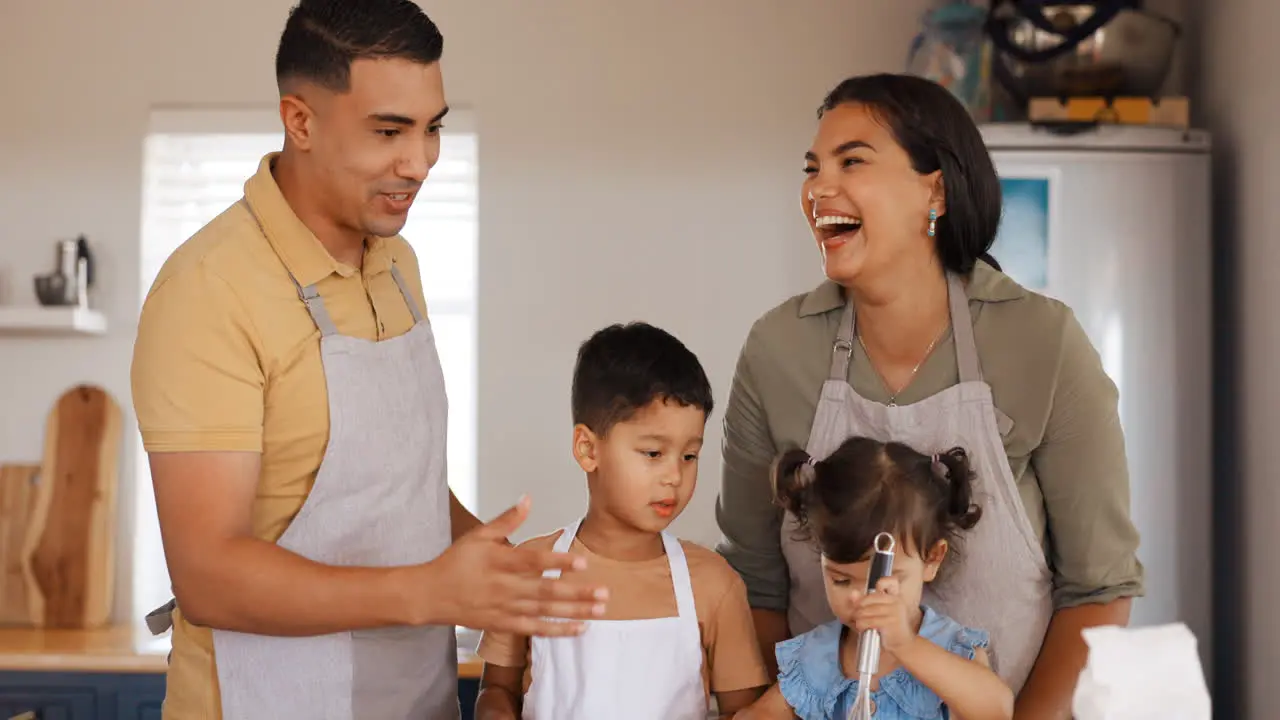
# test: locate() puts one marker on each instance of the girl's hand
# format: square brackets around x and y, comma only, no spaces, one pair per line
[885,611]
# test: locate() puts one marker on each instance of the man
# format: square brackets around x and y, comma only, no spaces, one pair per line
[292,406]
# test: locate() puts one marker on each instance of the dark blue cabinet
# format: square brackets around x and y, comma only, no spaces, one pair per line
[111,696]
[49,703]
[467,691]
[81,696]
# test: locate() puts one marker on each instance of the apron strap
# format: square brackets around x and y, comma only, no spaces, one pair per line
[680,579]
[310,297]
[962,330]
[680,576]
[408,297]
[315,306]
[563,543]
[961,326]
[161,619]
[842,348]
[320,314]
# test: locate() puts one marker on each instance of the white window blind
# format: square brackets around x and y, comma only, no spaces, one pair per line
[195,165]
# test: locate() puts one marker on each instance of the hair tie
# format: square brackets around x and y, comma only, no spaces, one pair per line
[939,468]
[807,472]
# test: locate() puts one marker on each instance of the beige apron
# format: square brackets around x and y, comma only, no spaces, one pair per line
[1001,583]
[380,499]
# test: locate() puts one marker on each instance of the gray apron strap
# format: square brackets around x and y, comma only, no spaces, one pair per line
[161,619]
[842,349]
[962,330]
[310,296]
[315,306]
[408,297]
[961,327]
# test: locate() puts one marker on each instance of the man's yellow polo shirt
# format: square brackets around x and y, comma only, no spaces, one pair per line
[227,358]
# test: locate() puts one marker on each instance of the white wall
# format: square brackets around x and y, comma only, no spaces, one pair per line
[639,160]
[1239,100]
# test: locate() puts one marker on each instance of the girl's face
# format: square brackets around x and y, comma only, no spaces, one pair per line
[846,583]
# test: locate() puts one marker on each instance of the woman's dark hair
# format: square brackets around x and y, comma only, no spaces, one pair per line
[937,133]
[867,487]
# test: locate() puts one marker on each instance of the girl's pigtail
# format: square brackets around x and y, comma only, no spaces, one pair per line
[952,469]
[793,475]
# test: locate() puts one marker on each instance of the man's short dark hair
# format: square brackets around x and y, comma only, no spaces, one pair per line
[321,38]
[623,368]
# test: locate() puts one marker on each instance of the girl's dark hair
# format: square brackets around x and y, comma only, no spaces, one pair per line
[867,487]
[937,133]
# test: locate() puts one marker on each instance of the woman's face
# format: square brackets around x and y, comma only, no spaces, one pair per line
[868,209]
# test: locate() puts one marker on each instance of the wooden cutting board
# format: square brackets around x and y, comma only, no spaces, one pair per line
[69,549]
[17,500]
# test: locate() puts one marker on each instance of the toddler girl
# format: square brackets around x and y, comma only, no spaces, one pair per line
[930,665]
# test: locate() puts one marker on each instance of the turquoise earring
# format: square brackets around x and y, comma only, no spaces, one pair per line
[933,222]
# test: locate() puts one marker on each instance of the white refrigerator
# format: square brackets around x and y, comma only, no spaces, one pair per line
[1114,221]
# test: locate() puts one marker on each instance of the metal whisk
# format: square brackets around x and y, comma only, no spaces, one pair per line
[869,640]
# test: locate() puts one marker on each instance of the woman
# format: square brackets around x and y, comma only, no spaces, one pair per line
[917,337]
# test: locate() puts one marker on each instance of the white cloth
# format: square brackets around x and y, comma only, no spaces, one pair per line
[623,669]
[1146,673]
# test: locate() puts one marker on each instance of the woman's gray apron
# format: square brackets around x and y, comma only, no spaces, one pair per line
[1000,582]
[380,498]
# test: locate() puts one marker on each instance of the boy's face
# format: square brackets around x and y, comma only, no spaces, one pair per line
[642,472]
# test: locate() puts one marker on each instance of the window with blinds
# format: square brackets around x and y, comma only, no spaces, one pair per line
[195,165]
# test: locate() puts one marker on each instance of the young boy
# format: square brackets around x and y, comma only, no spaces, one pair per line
[677,627]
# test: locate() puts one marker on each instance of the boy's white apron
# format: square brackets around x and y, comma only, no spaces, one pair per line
[623,669]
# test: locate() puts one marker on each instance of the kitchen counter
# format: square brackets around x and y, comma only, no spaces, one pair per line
[115,650]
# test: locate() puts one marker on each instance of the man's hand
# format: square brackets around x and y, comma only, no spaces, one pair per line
[461,521]
[481,582]
[226,578]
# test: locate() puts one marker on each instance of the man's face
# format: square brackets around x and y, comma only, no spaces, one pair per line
[372,146]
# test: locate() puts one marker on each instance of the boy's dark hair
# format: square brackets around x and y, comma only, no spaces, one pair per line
[321,38]
[624,368]
[867,487]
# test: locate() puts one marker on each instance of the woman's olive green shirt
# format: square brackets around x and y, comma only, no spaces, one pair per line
[1060,425]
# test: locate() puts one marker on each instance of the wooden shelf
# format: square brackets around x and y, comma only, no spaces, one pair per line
[41,320]
[118,649]
[110,649]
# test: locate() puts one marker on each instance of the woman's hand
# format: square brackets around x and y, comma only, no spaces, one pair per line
[885,611]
